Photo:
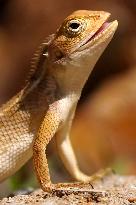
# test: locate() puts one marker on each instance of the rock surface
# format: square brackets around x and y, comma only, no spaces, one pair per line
[110,190]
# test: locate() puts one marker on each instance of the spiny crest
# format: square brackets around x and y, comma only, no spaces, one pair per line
[38,58]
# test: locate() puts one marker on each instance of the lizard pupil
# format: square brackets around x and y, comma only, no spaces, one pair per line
[74,26]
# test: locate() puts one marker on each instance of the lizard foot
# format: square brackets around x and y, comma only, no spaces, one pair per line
[86,192]
[83,189]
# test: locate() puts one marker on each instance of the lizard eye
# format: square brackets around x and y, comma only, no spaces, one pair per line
[74,27]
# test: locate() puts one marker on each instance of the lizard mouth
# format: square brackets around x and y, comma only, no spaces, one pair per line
[103,29]
[100,30]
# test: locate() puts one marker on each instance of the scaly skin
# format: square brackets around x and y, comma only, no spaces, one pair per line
[46,106]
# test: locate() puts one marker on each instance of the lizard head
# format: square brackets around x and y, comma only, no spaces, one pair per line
[77,45]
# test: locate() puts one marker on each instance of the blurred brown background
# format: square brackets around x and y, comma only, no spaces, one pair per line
[104,130]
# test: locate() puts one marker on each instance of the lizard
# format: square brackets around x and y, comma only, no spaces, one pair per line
[45,107]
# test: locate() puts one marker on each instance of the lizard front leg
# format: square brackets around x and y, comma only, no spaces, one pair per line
[47,130]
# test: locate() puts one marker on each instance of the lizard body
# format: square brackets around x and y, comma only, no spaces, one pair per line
[45,107]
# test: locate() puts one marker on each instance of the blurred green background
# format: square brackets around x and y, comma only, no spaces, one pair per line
[104,129]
